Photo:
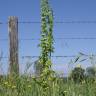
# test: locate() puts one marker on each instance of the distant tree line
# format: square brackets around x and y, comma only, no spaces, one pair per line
[78,74]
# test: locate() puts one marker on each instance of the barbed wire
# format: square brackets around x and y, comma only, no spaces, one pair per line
[30,57]
[85,38]
[54,56]
[57,22]
[23,57]
[71,38]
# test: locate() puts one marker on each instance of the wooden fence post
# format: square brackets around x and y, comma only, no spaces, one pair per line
[13,45]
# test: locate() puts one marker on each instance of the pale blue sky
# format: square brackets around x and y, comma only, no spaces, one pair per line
[64,10]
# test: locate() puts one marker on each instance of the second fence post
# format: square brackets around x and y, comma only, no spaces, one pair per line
[13,45]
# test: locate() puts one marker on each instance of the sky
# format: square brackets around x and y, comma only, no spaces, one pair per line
[64,10]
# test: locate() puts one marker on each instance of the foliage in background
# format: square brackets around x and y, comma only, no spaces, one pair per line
[77,74]
[90,72]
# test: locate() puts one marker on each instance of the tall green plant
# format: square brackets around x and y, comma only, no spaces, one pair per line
[46,36]
[46,45]
[46,31]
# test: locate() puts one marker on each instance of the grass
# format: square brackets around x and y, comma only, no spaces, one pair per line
[26,86]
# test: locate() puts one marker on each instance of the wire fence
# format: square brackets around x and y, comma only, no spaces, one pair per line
[59,60]
[57,22]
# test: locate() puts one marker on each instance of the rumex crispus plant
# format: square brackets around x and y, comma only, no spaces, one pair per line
[46,45]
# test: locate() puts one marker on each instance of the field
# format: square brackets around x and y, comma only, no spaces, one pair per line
[27,86]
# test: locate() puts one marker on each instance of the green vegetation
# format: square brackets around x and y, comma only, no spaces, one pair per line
[46,76]
[77,74]
[26,86]
[46,82]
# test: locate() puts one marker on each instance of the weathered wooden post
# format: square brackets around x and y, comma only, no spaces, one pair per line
[13,45]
